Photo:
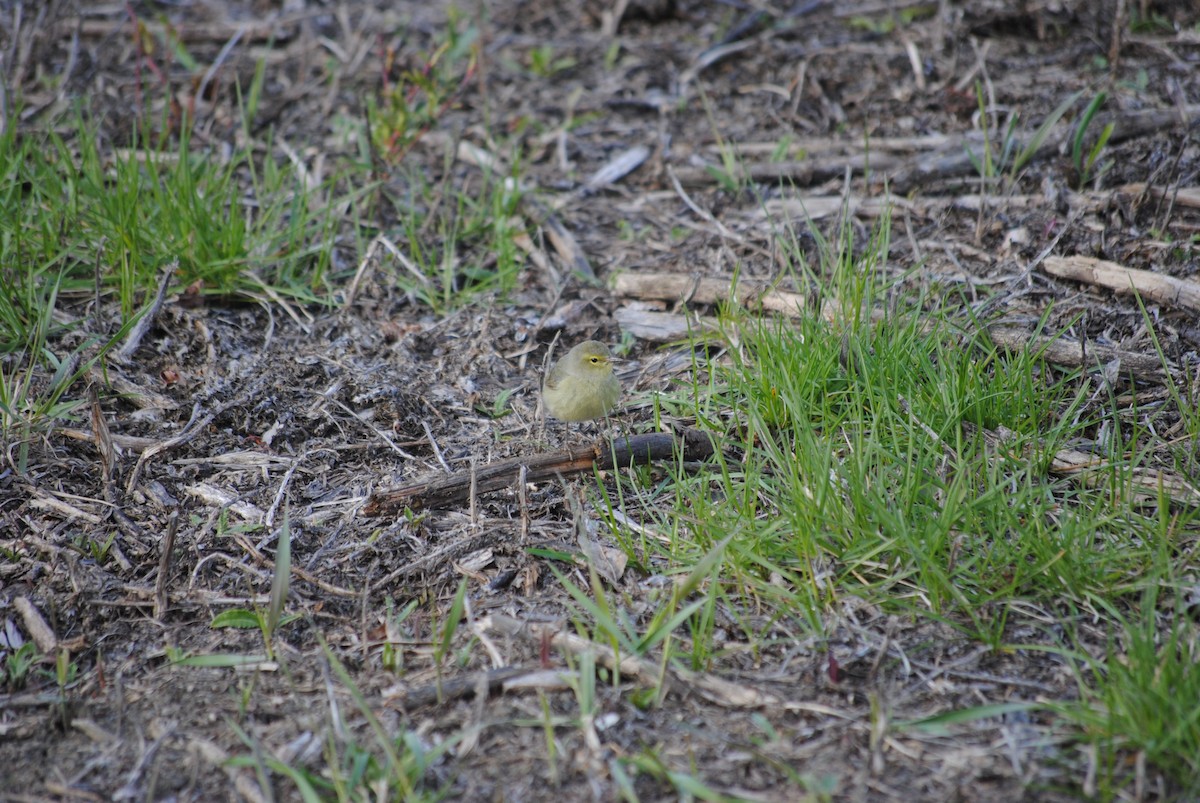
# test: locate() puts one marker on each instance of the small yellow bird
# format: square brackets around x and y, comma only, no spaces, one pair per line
[581,385]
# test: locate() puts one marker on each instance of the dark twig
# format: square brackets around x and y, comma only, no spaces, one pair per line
[108,464]
[164,565]
[139,330]
[624,451]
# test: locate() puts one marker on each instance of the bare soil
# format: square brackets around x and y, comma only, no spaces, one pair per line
[232,412]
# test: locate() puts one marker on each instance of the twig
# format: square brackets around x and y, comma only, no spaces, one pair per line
[108,461]
[283,486]
[457,688]
[449,491]
[164,566]
[139,330]
[703,214]
[35,623]
[1154,286]
[194,426]
[1076,354]
[444,556]
[220,60]
[433,445]
[649,673]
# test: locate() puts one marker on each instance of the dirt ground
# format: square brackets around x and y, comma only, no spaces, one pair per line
[270,407]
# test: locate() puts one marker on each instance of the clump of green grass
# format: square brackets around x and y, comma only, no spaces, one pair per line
[857,463]
[1007,156]
[71,209]
[413,102]
[456,242]
[1138,696]
[80,223]
[82,220]
[452,231]
[361,761]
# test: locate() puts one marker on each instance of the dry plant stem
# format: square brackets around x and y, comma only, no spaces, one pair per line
[98,285]
[132,443]
[215,67]
[443,559]
[193,428]
[1077,354]
[523,501]
[283,487]
[133,788]
[952,161]
[473,491]
[103,440]
[611,19]
[1154,286]
[456,688]
[35,623]
[493,651]
[40,500]
[433,444]
[111,378]
[703,214]
[1174,196]
[220,31]
[383,436]
[306,576]
[649,673]
[801,174]
[1114,48]
[456,489]
[679,286]
[164,566]
[108,461]
[688,288]
[568,248]
[1145,486]
[197,423]
[365,266]
[139,330]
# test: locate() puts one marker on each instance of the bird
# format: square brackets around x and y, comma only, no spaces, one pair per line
[581,386]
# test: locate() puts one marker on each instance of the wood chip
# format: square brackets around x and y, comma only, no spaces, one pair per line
[36,625]
[1154,286]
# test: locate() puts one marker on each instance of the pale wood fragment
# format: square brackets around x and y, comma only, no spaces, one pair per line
[1156,287]
[36,625]
[663,327]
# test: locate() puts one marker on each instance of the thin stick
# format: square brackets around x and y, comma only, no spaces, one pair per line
[443,492]
[523,501]
[164,566]
[433,444]
[474,492]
